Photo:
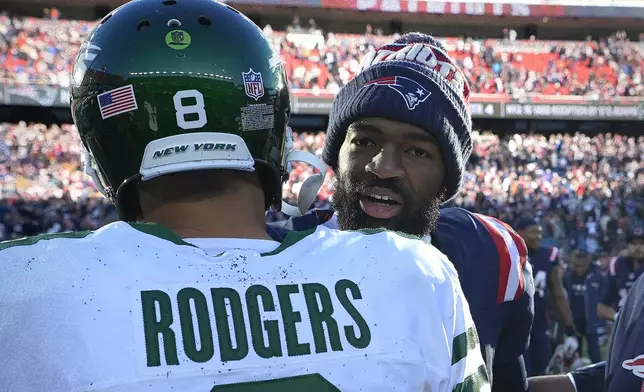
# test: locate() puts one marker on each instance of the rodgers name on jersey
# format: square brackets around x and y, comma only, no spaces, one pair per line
[132,307]
[233,320]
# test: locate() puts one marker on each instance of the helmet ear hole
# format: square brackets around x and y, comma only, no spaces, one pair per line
[204,20]
[142,24]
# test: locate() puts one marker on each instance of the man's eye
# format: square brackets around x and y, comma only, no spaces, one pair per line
[363,142]
[418,152]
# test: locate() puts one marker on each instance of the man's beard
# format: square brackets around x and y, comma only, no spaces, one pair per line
[417,218]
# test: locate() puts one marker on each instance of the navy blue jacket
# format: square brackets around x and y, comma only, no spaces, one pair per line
[496,279]
[595,283]
[625,363]
[623,371]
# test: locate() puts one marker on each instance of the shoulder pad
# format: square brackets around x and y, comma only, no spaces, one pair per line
[510,249]
[512,256]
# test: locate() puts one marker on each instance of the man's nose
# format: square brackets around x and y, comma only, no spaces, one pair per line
[387,164]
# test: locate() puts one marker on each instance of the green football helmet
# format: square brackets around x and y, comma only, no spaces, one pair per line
[161,87]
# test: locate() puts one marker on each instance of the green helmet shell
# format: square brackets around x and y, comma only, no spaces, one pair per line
[186,72]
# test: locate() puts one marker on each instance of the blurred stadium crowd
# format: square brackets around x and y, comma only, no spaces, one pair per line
[587,190]
[41,50]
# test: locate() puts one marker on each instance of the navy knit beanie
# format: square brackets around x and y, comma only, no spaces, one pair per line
[411,80]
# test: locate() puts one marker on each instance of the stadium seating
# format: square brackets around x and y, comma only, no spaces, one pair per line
[40,51]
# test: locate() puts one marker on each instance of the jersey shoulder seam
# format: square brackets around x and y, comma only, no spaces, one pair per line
[28,241]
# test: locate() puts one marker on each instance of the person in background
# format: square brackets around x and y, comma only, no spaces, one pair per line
[622,371]
[623,272]
[626,356]
[584,284]
[547,273]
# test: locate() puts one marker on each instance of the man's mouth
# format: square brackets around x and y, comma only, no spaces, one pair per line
[381,203]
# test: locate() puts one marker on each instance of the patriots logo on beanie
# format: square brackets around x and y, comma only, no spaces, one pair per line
[412,92]
[426,55]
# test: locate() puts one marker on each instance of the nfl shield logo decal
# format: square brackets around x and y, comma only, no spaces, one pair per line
[253,84]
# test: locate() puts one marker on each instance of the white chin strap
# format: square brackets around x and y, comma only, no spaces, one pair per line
[310,187]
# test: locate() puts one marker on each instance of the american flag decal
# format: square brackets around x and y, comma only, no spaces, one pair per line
[117,101]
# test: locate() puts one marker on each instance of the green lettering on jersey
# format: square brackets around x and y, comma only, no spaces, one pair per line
[155,325]
[32,240]
[226,349]
[274,346]
[341,288]
[290,318]
[185,297]
[322,316]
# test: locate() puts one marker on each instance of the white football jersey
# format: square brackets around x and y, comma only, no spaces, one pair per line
[133,307]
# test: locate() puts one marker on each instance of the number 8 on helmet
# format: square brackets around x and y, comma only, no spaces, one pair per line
[161,87]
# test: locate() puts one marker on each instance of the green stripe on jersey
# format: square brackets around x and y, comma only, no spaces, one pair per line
[291,238]
[156,230]
[474,382]
[463,344]
[32,240]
